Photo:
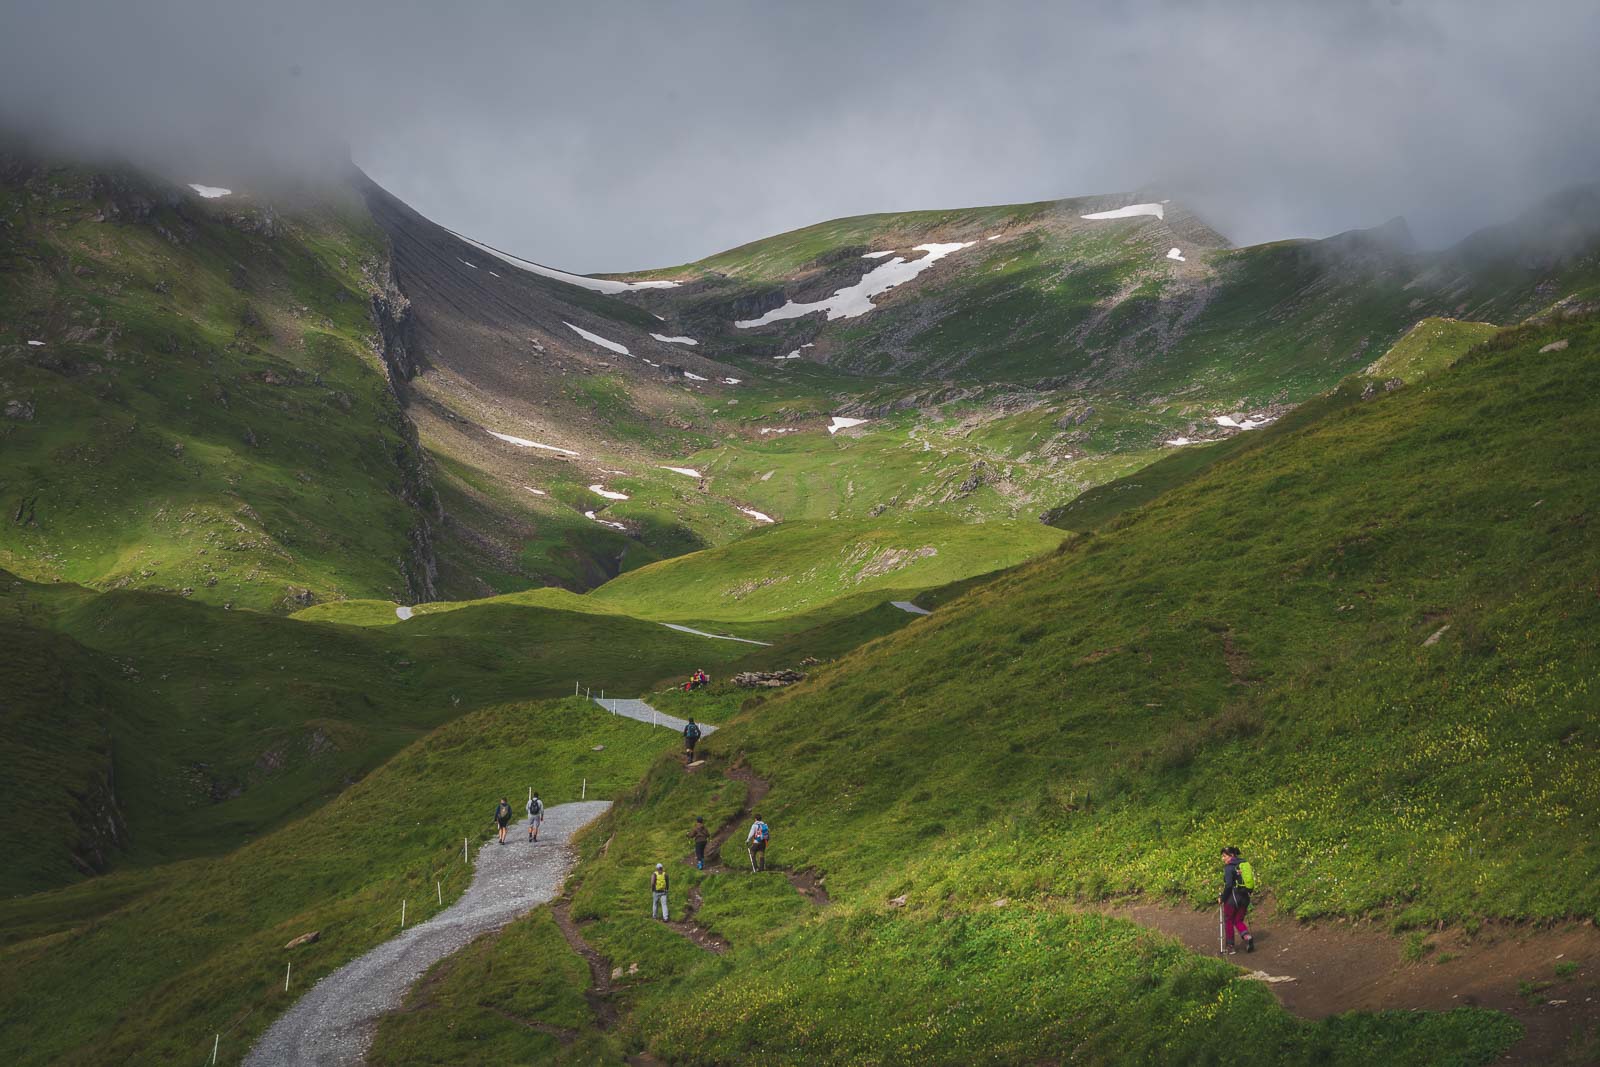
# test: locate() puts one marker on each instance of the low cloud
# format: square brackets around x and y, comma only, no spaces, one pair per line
[639,134]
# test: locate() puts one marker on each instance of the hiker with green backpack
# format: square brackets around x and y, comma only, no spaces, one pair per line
[1238,882]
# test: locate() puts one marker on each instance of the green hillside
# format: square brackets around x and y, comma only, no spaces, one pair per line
[143,728]
[145,966]
[203,412]
[316,517]
[1365,652]
[1430,346]
[798,567]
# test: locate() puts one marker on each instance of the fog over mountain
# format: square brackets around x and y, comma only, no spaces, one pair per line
[625,135]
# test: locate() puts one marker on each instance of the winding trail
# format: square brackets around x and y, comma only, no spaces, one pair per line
[718,637]
[642,712]
[333,1023]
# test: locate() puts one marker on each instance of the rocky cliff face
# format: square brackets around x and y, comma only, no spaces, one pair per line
[102,829]
[396,345]
[396,323]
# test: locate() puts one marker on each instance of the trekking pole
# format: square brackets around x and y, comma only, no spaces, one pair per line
[215,1042]
[585,794]
[402,914]
[463,850]
[1219,928]
[286,971]
[438,887]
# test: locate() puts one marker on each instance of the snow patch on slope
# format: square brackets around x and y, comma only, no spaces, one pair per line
[598,285]
[840,422]
[599,489]
[758,516]
[210,192]
[675,340]
[1131,211]
[1176,254]
[688,472]
[854,300]
[619,349]
[523,442]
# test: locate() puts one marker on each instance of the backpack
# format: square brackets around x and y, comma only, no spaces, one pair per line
[763,831]
[1247,876]
[692,732]
[536,808]
[658,881]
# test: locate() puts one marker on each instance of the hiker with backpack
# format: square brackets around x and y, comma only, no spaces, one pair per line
[535,816]
[502,816]
[658,892]
[700,835]
[691,735]
[1238,882]
[755,842]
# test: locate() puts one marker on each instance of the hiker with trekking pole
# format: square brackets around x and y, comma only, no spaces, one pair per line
[502,816]
[535,816]
[1238,882]
[755,843]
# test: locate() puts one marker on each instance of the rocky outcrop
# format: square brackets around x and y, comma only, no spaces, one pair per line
[767,679]
[396,346]
[392,315]
[102,828]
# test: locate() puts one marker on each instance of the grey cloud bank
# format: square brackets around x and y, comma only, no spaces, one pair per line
[627,135]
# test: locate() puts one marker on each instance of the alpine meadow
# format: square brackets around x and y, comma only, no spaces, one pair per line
[1103,629]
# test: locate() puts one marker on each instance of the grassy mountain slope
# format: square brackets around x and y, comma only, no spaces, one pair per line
[203,412]
[1365,653]
[147,728]
[1430,346]
[799,567]
[1098,303]
[145,966]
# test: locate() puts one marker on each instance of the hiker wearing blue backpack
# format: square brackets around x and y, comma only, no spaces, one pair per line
[1238,882]
[755,842]
[691,736]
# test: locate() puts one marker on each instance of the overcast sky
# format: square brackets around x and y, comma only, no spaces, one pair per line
[615,135]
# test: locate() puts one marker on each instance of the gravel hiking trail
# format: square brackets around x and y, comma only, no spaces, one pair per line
[1329,968]
[718,637]
[639,710]
[334,1022]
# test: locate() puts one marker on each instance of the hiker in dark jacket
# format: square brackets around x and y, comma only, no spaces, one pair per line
[1235,901]
[691,735]
[700,835]
[502,816]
